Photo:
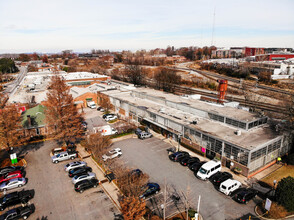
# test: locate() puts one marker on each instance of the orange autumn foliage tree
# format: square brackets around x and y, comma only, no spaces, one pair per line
[61,113]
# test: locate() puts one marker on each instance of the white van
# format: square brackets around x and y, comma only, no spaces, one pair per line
[228,186]
[106,130]
[208,169]
[91,104]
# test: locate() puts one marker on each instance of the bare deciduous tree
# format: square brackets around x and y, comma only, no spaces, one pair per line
[135,73]
[104,101]
[98,145]
[166,79]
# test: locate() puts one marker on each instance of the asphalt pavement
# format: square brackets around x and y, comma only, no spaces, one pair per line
[151,157]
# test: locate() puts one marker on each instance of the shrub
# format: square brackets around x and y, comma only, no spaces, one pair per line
[284,193]
[290,159]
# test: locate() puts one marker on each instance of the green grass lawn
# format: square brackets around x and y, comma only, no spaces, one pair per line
[279,174]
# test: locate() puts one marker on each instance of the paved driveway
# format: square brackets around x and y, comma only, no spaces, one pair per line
[93,118]
[151,157]
[55,197]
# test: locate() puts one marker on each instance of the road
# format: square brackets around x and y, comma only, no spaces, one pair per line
[151,157]
[12,86]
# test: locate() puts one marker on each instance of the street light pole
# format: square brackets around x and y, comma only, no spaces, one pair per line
[179,137]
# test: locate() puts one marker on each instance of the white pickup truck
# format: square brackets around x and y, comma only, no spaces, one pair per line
[91,104]
[64,156]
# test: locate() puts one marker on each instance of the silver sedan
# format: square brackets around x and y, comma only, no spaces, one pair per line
[83,177]
[13,183]
[74,164]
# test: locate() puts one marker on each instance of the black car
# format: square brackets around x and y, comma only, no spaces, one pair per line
[86,184]
[152,188]
[244,195]
[175,156]
[15,198]
[79,171]
[19,212]
[10,169]
[188,160]
[220,177]
[196,166]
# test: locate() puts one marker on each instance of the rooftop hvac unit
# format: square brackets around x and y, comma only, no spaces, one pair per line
[194,122]
[162,110]
[238,132]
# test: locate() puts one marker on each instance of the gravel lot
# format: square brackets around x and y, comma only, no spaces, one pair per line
[55,197]
[151,157]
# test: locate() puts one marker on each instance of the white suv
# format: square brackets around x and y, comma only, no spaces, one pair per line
[110,117]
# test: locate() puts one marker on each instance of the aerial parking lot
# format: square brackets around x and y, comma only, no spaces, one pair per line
[55,197]
[150,155]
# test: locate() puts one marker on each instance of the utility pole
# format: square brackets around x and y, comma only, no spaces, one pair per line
[213,24]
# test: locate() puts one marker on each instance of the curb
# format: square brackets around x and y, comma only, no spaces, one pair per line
[114,202]
[261,217]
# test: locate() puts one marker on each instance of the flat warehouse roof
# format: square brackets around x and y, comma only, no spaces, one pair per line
[237,114]
[248,139]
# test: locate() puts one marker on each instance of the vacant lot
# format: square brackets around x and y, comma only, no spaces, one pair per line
[279,174]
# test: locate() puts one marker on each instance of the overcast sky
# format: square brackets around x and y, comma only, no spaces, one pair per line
[81,25]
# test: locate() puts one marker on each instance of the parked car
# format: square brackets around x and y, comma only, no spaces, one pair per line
[101,109]
[244,195]
[19,212]
[64,156]
[106,115]
[174,156]
[196,166]
[15,198]
[79,171]
[74,164]
[189,160]
[9,169]
[84,125]
[229,186]
[138,131]
[110,117]
[13,183]
[152,188]
[220,177]
[86,184]
[182,157]
[144,135]
[12,175]
[208,169]
[87,176]
[112,154]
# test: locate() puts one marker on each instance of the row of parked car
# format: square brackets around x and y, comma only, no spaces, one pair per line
[82,176]
[222,181]
[12,177]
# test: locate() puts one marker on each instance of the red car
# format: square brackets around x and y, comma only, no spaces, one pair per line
[11,175]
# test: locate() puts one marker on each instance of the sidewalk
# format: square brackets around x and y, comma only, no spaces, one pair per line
[110,189]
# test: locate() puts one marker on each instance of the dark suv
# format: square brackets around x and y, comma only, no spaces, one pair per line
[15,198]
[175,156]
[86,184]
[244,195]
[79,171]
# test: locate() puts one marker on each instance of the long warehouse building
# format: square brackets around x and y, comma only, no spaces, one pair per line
[240,139]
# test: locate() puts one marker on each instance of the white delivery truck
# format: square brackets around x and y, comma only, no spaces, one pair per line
[106,130]
[91,104]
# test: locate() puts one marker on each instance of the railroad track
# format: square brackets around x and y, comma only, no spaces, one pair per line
[237,81]
[252,104]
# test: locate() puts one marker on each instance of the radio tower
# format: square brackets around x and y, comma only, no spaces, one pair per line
[213,24]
